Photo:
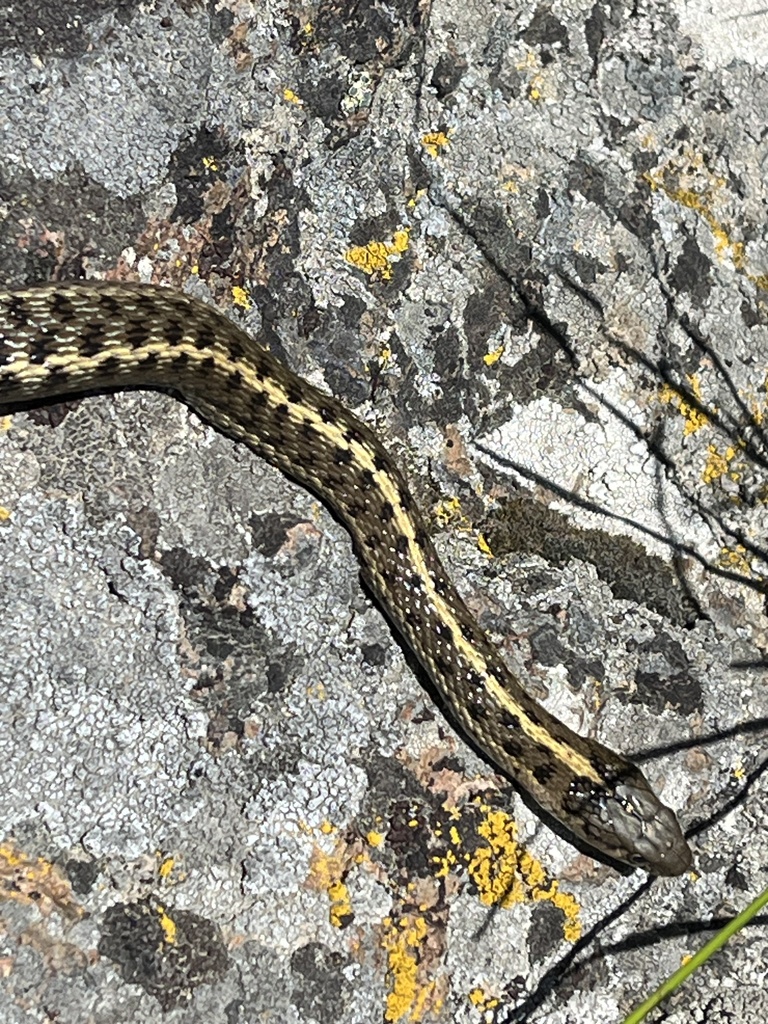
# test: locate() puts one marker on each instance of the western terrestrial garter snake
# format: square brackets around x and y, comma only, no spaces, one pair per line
[62,339]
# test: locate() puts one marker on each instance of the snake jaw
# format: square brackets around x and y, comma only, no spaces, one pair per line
[647,829]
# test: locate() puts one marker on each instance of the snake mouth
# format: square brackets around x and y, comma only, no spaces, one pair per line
[648,830]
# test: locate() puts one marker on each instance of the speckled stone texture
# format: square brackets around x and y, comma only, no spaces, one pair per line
[527,243]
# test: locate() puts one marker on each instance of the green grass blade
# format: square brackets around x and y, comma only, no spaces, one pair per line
[714,944]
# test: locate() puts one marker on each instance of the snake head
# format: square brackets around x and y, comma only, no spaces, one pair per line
[627,821]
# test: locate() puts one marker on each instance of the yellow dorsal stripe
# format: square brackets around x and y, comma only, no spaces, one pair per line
[576,761]
[365,458]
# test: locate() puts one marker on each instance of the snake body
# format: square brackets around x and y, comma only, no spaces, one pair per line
[63,339]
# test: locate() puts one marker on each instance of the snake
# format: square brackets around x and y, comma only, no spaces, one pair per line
[65,339]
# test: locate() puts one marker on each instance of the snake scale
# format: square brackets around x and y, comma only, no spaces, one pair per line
[64,339]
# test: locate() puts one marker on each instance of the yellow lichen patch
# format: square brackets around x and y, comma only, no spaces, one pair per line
[241,298]
[536,88]
[445,863]
[5,514]
[494,868]
[416,198]
[484,546]
[5,424]
[375,838]
[735,558]
[340,911]
[291,97]
[34,880]
[493,357]
[688,181]
[505,873]
[412,993]
[209,163]
[758,412]
[385,357]
[167,924]
[170,869]
[371,258]
[400,239]
[435,143]
[327,871]
[718,463]
[483,1000]
[694,417]
[449,511]
[167,864]
[376,257]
